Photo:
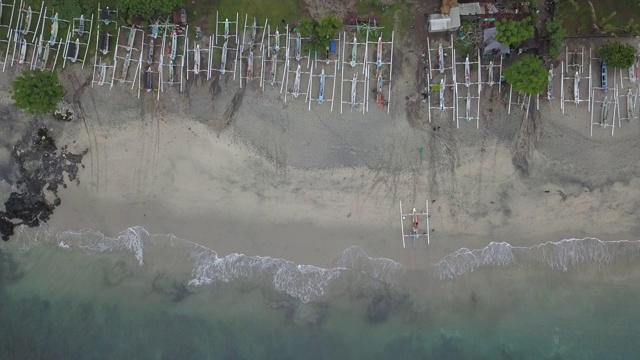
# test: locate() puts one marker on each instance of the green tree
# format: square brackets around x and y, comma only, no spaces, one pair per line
[554,33]
[37,92]
[618,54]
[148,8]
[512,32]
[528,74]
[319,33]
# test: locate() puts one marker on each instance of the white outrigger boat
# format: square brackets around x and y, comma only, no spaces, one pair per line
[102,73]
[226,29]
[468,112]
[605,112]
[23,51]
[354,89]
[379,53]
[27,20]
[39,51]
[630,116]
[491,82]
[296,82]
[441,94]
[125,67]
[196,60]
[171,71]
[45,54]
[380,83]
[321,91]
[250,65]
[440,58]
[254,31]
[354,52]
[223,62]
[80,29]
[276,46]
[148,80]
[131,38]
[174,45]
[274,69]
[576,89]
[54,29]
[467,72]
[297,49]
[550,86]
[415,217]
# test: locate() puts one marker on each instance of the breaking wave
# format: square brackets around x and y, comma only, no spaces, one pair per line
[562,255]
[304,282]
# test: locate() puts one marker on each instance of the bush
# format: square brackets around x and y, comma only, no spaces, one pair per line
[554,33]
[528,74]
[618,54]
[37,92]
[512,32]
[148,8]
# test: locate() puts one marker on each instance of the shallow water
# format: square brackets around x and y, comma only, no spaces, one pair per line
[79,295]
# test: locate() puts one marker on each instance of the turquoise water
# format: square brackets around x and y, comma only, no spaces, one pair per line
[80,295]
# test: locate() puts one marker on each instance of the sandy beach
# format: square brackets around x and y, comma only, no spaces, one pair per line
[276,179]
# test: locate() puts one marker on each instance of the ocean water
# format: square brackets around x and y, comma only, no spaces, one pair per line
[81,295]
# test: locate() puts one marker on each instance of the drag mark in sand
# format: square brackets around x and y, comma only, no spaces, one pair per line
[147,154]
[94,179]
[224,120]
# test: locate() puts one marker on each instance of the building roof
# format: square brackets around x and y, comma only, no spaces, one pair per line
[439,22]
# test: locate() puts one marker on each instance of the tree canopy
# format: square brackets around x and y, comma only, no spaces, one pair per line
[618,54]
[528,74]
[148,8]
[320,32]
[512,32]
[37,92]
[554,33]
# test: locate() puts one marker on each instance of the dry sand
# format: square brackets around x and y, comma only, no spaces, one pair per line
[276,179]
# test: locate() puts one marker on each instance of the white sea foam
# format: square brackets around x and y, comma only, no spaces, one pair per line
[562,255]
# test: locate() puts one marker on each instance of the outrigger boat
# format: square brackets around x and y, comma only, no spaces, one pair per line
[576,88]
[131,38]
[491,82]
[379,53]
[23,51]
[296,82]
[441,94]
[254,31]
[468,114]
[151,49]
[104,42]
[125,67]
[354,52]
[629,105]
[604,75]
[72,51]
[148,80]
[297,48]
[196,60]
[250,65]
[27,21]
[171,71]
[276,46]
[321,91]
[632,73]
[174,45]
[354,89]
[80,29]
[154,31]
[414,215]
[226,29]
[54,29]
[105,16]
[467,72]
[102,73]
[274,69]
[379,89]
[45,54]
[550,87]
[39,53]
[605,112]
[223,64]
[440,58]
